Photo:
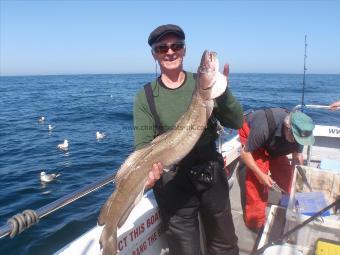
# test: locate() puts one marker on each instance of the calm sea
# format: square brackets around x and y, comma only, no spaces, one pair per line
[78,106]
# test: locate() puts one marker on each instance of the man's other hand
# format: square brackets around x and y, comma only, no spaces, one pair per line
[154,175]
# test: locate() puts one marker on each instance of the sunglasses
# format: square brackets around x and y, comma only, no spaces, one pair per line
[164,48]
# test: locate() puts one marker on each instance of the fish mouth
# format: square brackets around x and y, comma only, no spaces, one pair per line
[208,63]
[207,71]
[211,82]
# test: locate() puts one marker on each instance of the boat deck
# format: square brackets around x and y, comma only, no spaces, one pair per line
[325,150]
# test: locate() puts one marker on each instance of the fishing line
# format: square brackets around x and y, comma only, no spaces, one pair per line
[156,78]
[304,77]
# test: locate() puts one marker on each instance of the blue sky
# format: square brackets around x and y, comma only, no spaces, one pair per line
[91,37]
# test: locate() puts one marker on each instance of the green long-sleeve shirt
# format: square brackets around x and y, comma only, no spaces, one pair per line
[171,104]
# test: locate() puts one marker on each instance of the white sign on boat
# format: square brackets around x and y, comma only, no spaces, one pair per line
[140,234]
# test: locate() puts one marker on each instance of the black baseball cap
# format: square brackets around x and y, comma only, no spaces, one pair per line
[163,30]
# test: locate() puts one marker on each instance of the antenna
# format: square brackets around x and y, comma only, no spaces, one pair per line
[304,76]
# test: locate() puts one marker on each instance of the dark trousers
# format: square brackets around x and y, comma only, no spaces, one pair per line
[180,202]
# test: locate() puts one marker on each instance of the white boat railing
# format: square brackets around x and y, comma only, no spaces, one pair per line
[314,106]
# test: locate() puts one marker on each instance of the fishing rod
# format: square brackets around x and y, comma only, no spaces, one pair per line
[21,221]
[304,223]
[304,76]
[303,106]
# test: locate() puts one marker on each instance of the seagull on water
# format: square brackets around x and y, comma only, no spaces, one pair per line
[41,119]
[100,135]
[50,127]
[63,146]
[44,177]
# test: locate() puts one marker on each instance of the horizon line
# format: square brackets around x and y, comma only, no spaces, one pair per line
[73,74]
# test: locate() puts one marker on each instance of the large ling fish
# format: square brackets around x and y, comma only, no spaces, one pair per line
[168,148]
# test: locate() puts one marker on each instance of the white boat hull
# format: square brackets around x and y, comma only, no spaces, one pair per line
[140,233]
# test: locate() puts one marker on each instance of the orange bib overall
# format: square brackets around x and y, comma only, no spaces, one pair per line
[257,193]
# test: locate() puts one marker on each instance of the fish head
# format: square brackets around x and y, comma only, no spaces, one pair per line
[211,83]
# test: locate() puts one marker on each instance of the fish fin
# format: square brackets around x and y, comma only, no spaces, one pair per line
[104,210]
[128,211]
[159,139]
[129,162]
[127,166]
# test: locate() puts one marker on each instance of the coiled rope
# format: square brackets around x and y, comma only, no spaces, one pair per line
[22,221]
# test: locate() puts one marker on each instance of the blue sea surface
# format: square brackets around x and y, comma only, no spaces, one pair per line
[78,106]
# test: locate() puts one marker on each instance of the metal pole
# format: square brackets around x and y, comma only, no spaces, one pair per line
[309,155]
[63,201]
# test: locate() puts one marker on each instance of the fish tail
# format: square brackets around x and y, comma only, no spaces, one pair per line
[108,242]
[103,214]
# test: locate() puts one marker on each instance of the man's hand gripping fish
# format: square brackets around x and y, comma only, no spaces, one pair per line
[168,149]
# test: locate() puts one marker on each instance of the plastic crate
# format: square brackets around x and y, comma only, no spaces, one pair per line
[326,227]
[309,203]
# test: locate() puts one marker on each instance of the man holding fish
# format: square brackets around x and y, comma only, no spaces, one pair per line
[197,183]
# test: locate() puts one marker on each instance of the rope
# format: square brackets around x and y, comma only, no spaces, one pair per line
[22,221]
